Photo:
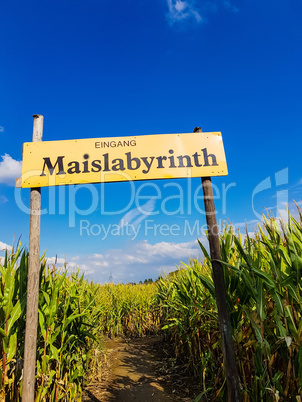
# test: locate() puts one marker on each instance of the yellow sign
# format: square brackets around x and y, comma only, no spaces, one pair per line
[146,157]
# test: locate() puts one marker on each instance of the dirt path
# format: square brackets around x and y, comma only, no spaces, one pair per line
[135,372]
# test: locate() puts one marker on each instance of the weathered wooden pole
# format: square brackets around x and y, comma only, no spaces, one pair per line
[220,291]
[28,389]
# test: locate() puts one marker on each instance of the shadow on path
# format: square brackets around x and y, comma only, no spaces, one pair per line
[133,369]
[134,374]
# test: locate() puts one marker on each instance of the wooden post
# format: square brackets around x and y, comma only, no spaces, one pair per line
[220,291]
[28,389]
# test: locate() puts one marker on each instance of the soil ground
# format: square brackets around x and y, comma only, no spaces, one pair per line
[140,370]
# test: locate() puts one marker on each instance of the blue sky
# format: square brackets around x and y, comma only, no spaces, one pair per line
[112,68]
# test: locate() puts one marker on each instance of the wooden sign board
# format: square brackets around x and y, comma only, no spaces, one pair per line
[146,157]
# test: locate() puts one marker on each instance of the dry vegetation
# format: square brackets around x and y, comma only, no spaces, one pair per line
[263,280]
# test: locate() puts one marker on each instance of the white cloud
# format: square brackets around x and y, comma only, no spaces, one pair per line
[4,246]
[55,261]
[165,249]
[1,129]
[166,269]
[100,263]
[139,261]
[146,253]
[87,270]
[180,5]
[281,210]
[183,10]
[10,169]
[62,263]
[97,256]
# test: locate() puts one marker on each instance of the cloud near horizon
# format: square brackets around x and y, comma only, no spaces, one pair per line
[135,263]
[10,169]
[4,246]
[69,265]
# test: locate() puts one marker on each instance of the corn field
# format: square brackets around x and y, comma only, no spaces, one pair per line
[263,280]
[73,316]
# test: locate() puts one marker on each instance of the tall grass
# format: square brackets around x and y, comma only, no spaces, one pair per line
[263,282]
[64,336]
[73,316]
[128,310]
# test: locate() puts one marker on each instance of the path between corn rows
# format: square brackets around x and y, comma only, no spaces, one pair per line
[137,370]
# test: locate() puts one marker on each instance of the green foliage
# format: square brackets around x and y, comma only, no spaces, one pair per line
[73,315]
[128,310]
[64,341]
[263,281]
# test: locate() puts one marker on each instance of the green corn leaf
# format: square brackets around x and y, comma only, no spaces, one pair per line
[277,299]
[208,284]
[9,288]
[202,394]
[2,333]
[206,312]
[267,278]
[73,317]
[284,254]
[204,251]
[12,347]
[260,300]
[42,324]
[15,314]
[255,327]
[290,320]
[282,330]
[54,352]
[45,360]
[293,292]
[246,257]
[46,297]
